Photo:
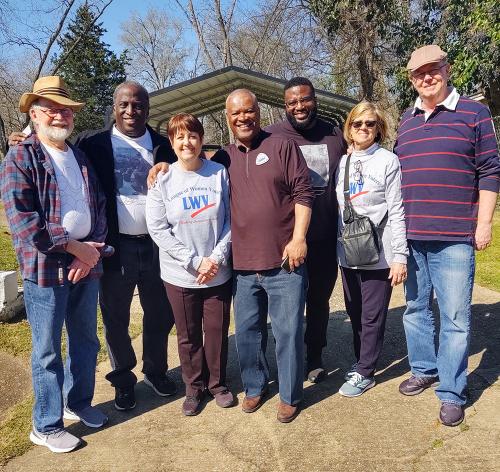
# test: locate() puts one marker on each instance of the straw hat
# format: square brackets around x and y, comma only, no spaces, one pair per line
[52,88]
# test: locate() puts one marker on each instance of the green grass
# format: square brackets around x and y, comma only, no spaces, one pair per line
[437,443]
[15,339]
[488,261]
[8,259]
[14,431]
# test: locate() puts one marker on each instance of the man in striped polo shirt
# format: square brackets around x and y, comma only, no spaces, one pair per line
[451,177]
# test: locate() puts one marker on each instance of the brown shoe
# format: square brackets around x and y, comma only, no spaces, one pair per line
[251,404]
[287,413]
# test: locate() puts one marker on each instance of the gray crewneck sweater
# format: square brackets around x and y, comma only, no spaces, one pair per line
[188,217]
[375,188]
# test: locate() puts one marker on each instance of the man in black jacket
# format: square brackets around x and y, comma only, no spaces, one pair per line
[122,155]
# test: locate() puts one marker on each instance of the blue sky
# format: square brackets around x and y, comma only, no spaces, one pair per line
[120,10]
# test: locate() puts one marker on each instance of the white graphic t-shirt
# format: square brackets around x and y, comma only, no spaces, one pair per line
[318,162]
[75,210]
[133,158]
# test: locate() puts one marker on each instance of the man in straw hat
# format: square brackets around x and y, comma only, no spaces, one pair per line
[451,178]
[56,212]
[122,154]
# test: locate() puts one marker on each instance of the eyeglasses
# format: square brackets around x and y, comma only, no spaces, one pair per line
[53,112]
[368,123]
[306,100]
[432,72]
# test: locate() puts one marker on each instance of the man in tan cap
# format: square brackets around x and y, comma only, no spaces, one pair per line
[56,212]
[451,178]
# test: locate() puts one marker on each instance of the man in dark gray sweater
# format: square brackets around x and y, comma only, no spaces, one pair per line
[322,145]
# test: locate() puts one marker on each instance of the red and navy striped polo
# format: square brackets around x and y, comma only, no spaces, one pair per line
[445,161]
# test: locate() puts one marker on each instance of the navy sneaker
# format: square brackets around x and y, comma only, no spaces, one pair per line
[89,416]
[451,414]
[415,385]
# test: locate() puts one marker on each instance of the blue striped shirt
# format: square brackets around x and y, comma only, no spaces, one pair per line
[445,161]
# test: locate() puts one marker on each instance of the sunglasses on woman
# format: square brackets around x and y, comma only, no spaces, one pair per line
[368,124]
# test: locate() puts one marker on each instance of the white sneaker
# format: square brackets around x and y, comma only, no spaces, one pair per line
[60,441]
[351,371]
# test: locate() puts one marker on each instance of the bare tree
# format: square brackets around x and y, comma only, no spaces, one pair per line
[28,47]
[155,47]
[213,32]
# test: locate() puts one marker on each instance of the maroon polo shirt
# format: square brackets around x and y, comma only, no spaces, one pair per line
[267,181]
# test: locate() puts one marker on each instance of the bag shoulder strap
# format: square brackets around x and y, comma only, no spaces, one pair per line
[346,176]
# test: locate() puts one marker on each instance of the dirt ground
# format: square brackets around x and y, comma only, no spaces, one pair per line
[379,431]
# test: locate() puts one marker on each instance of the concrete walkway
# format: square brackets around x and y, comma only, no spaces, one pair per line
[379,431]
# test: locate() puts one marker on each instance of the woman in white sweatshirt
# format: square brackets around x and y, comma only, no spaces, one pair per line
[188,217]
[375,191]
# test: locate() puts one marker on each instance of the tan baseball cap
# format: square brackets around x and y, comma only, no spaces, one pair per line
[425,55]
[51,87]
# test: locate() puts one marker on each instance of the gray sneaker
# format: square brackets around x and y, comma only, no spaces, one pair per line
[356,385]
[90,416]
[415,385]
[60,441]
[351,371]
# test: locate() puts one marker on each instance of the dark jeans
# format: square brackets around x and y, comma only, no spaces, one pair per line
[198,312]
[141,269]
[282,295]
[322,270]
[367,294]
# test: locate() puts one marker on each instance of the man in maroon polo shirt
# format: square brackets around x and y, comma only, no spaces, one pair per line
[271,200]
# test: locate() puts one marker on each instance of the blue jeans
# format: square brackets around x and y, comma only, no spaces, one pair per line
[283,295]
[55,385]
[447,268]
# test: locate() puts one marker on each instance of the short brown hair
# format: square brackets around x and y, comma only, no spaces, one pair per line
[357,111]
[184,122]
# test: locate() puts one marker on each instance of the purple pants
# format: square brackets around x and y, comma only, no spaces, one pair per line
[367,294]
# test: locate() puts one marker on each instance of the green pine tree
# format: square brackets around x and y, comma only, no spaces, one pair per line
[91,70]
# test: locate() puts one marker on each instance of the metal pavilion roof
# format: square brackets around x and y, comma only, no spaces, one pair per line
[207,94]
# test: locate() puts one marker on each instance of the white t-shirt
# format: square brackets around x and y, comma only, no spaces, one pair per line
[75,210]
[133,158]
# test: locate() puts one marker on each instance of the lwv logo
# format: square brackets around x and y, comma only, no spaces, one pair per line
[198,203]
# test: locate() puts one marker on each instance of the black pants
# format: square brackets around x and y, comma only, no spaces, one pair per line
[141,269]
[367,294]
[322,270]
[202,323]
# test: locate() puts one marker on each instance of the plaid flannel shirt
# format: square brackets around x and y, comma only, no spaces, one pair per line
[33,208]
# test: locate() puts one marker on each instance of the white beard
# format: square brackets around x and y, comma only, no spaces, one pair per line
[55,133]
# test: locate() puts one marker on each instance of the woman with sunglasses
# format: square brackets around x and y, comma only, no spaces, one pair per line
[187,212]
[375,192]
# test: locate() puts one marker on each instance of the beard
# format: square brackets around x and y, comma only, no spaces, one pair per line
[304,124]
[55,133]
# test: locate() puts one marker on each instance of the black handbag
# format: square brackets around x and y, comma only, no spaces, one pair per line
[359,236]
